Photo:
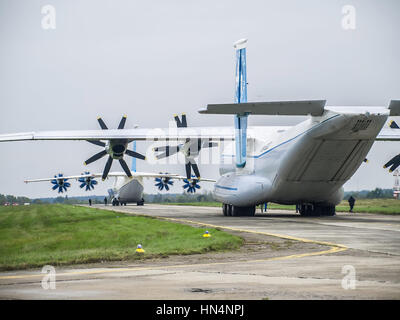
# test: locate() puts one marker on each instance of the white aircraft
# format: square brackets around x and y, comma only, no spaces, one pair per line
[306,164]
[128,185]
[125,189]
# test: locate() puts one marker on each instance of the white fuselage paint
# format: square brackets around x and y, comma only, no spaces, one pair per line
[128,189]
[306,163]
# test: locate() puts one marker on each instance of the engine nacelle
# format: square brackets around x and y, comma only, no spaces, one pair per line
[116,148]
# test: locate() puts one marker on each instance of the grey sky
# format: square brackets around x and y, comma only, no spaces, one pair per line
[151,59]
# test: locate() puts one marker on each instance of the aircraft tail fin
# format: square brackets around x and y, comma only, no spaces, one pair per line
[394,107]
[241,97]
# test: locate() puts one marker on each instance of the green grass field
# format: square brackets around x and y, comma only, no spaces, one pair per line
[384,206]
[36,235]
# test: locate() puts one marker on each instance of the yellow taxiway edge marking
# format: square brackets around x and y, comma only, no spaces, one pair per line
[256,232]
[334,249]
[112,270]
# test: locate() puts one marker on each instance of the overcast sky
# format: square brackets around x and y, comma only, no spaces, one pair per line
[151,59]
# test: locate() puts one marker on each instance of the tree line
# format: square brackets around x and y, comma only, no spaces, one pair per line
[13,199]
[378,193]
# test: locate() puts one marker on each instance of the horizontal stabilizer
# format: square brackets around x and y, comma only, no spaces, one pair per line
[283,108]
[394,107]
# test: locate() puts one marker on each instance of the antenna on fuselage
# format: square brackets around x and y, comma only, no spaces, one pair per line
[240,97]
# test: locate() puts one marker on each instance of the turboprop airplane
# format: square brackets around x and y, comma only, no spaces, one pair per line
[126,189]
[306,164]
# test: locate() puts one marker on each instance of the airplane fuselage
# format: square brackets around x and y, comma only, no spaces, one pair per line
[306,163]
[128,190]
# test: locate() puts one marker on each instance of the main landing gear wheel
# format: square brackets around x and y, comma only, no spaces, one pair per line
[315,210]
[225,209]
[235,211]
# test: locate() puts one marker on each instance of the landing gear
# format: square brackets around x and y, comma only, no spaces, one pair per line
[235,211]
[140,203]
[115,202]
[314,210]
[225,209]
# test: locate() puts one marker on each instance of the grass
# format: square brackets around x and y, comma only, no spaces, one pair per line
[36,235]
[384,206]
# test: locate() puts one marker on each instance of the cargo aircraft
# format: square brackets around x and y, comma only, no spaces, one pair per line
[306,164]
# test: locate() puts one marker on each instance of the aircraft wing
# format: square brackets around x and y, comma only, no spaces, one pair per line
[272,108]
[211,133]
[119,174]
[388,135]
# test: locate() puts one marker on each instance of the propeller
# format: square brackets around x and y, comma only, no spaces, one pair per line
[116,149]
[60,183]
[164,182]
[191,185]
[190,149]
[393,125]
[87,182]
[393,163]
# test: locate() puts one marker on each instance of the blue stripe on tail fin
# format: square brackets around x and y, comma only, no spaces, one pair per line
[241,96]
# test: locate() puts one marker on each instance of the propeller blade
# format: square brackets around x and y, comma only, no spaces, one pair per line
[394,163]
[101,123]
[181,123]
[97,156]
[188,169]
[195,168]
[122,122]
[169,151]
[135,154]
[161,156]
[97,143]
[125,167]
[166,148]
[391,161]
[394,167]
[107,168]
[394,125]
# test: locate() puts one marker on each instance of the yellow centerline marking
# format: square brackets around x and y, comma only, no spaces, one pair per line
[255,232]
[334,249]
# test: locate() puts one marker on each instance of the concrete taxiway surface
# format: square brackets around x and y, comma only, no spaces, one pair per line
[286,256]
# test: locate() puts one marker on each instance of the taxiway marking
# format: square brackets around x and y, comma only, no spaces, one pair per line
[334,249]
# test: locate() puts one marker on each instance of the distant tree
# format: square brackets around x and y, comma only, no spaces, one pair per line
[379,193]
[59,200]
